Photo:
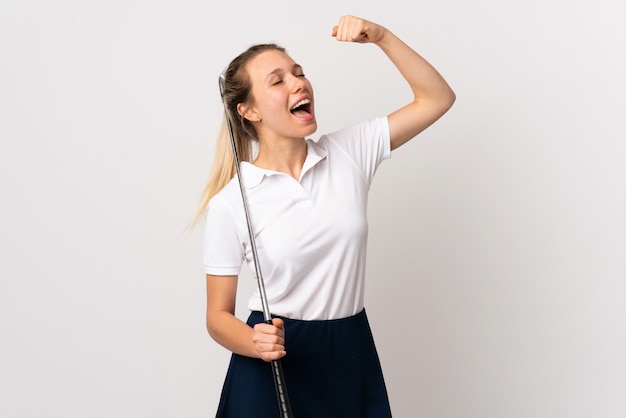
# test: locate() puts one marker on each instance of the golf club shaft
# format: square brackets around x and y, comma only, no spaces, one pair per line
[277,369]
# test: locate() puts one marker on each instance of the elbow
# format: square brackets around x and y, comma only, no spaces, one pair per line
[443,103]
[436,105]
[452,98]
[211,326]
[447,100]
[217,324]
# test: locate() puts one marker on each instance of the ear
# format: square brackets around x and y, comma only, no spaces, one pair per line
[248,112]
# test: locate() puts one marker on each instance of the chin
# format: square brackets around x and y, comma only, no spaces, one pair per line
[311,129]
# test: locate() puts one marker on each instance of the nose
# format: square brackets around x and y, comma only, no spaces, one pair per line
[297,83]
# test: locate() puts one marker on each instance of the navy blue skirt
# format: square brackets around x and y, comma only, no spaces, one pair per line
[331,370]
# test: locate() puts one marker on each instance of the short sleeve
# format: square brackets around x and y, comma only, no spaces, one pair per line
[223,249]
[367,144]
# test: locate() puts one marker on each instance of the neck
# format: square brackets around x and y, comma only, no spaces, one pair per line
[286,156]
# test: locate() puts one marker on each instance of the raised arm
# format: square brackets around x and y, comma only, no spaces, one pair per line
[432,97]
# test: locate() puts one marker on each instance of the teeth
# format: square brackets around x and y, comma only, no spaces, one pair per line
[301,103]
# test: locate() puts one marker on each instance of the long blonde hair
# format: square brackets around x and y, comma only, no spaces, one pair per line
[237,89]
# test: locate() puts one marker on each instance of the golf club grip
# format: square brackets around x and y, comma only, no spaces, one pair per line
[281,389]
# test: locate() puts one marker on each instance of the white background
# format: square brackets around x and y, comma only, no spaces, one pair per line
[496,276]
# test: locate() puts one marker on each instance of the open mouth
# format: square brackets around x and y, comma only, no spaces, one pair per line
[302,108]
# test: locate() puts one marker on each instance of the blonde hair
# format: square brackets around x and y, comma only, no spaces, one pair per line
[237,89]
[223,168]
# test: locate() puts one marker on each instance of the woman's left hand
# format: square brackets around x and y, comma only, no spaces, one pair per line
[354,29]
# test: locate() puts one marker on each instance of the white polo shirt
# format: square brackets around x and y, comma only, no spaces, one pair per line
[311,235]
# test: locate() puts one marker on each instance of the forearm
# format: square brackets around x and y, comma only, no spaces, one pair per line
[231,333]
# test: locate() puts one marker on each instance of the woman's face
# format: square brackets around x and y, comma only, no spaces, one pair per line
[282,97]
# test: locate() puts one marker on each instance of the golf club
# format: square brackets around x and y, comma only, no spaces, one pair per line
[277,369]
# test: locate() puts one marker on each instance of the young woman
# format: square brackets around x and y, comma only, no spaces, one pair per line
[307,202]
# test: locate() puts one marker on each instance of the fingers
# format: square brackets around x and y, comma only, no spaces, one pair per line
[269,340]
[349,29]
[354,29]
[279,323]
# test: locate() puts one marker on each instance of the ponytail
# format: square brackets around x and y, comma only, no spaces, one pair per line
[223,168]
[237,88]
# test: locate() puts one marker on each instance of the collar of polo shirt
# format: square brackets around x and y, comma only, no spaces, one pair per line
[253,175]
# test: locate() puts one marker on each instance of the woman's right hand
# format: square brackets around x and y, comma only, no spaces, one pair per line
[269,340]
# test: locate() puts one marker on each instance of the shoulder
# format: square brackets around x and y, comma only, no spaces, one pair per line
[374,127]
[370,137]
[226,200]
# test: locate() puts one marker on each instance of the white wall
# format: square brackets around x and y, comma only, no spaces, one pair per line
[496,270]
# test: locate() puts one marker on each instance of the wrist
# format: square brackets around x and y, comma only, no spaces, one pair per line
[385,34]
